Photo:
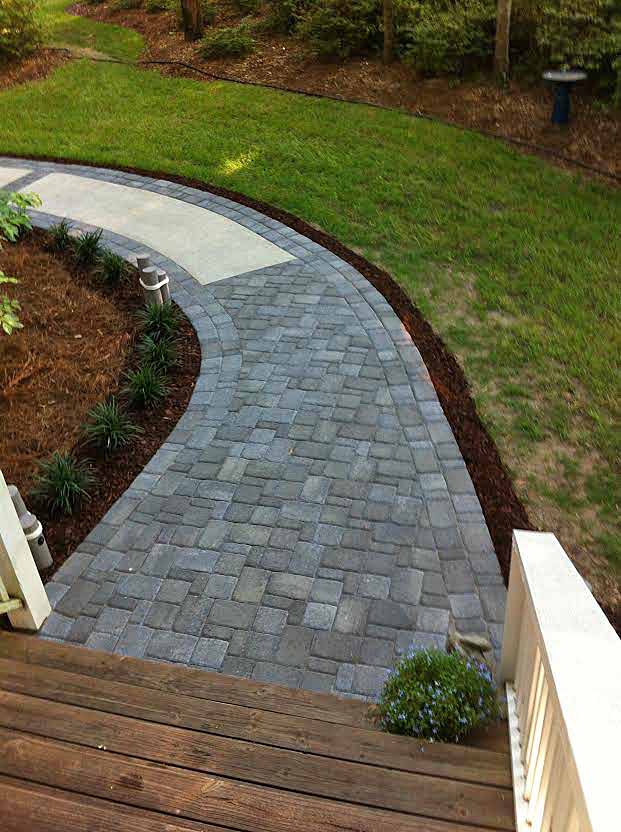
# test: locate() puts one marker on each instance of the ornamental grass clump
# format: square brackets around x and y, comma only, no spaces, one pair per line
[63,482]
[438,696]
[109,427]
[60,236]
[159,322]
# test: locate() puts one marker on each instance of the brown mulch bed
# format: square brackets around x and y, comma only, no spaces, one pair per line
[520,112]
[78,342]
[33,68]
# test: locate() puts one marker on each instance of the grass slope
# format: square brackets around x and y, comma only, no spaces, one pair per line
[514,262]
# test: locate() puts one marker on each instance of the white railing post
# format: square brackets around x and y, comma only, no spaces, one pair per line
[561,662]
[18,571]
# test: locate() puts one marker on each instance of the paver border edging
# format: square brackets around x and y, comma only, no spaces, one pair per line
[501,505]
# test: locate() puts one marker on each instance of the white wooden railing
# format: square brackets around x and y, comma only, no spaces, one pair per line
[22,594]
[561,663]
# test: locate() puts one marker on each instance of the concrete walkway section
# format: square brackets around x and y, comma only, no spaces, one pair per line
[310,518]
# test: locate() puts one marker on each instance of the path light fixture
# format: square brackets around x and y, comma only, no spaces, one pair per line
[563,81]
[33,530]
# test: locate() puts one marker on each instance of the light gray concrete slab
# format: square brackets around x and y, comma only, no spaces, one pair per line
[8,175]
[211,247]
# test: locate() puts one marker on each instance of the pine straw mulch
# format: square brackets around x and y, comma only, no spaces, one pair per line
[519,112]
[33,68]
[77,343]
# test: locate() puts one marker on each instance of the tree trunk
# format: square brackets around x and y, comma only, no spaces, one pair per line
[503,30]
[192,19]
[389,31]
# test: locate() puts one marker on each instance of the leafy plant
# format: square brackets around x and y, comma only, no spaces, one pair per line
[162,353]
[154,6]
[63,482]
[341,27]
[126,5]
[13,212]
[86,248]
[438,696]
[60,234]
[109,427]
[20,28]
[112,268]
[9,307]
[146,386]
[159,321]
[228,41]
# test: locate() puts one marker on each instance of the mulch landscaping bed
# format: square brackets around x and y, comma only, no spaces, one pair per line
[79,340]
[33,68]
[520,112]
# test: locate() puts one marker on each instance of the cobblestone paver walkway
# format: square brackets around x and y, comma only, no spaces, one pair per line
[311,516]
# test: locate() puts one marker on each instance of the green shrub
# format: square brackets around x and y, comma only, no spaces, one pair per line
[60,236]
[63,482]
[162,352]
[126,5]
[146,386]
[112,268]
[228,41]
[9,308]
[86,248]
[582,34]
[13,214]
[109,427]
[248,6]
[284,15]
[446,36]
[437,696]
[153,6]
[159,321]
[339,28]
[20,28]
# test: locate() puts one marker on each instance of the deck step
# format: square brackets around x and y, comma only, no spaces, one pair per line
[205,751]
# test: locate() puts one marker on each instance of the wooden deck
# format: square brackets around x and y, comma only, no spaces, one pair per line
[92,742]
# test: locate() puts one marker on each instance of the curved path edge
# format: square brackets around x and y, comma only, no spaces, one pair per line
[310,517]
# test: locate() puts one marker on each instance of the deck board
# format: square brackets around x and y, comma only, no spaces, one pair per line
[118,743]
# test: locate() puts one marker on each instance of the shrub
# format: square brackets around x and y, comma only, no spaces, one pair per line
[248,6]
[341,28]
[60,236]
[112,268]
[153,6]
[444,36]
[13,214]
[109,427]
[63,482]
[126,5]
[284,15]
[582,33]
[437,696]
[228,41]
[20,28]
[146,387]
[161,353]
[9,308]
[159,321]
[86,248]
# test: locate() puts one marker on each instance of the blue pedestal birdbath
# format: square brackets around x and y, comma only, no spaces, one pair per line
[563,81]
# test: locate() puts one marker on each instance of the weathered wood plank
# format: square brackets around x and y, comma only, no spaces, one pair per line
[265,727]
[199,683]
[259,764]
[196,796]
[30,807]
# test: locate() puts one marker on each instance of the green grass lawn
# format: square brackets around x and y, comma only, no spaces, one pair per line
[514,262]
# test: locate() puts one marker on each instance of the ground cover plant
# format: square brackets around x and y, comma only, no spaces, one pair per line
[515,263]
[438,696]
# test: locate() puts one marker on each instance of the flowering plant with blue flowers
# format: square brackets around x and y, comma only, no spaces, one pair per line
[438,696]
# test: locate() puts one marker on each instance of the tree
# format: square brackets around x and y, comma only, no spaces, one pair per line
[503,29]
[192,17]
[389,31]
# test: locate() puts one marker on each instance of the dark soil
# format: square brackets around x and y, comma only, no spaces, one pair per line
[519,113]
[114,473]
